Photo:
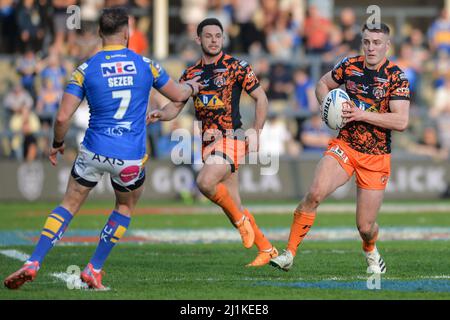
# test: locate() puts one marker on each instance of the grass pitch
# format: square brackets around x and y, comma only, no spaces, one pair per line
[417,269]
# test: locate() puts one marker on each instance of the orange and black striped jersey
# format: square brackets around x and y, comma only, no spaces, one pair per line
[370,90]
[217,103]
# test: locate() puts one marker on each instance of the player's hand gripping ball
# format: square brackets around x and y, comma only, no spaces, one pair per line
[331,108]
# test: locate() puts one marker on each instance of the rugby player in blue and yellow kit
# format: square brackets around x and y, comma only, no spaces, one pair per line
[116,83]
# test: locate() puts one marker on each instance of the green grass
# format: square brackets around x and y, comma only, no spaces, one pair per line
[216,271]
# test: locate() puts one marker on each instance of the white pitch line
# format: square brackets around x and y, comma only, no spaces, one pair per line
[15,255]
[391,208]
[212,235]
[71,279]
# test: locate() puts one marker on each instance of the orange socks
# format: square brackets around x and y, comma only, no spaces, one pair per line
[224,200]
[300,227]
[260,240]
[368,246]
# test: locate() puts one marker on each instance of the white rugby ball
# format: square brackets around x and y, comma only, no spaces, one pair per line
[331,109]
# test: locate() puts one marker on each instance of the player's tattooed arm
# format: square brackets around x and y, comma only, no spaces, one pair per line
[180,92]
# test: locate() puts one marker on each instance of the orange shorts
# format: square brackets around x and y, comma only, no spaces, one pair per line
[232,150]
[372,171]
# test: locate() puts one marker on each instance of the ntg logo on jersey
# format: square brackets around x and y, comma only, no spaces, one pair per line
[118,68]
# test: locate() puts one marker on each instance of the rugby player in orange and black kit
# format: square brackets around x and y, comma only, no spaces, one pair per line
[379,103]
[224,143]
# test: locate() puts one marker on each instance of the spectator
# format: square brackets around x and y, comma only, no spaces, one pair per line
[16,100]
[31,25]
[305,98]
[48,103]
[429,145]
[8,26]
[24,124]
[315,135]
[441,100]
[280,40]
[116,3]
[439,33]
[408,65]
[280,82]
[186,46]
[351,32]
[27,69]
[419,47]
[223,12]
[440,66]
[30,145]
[246,32]
[86,44]
[193,11]
[54,71]
[419,57]
[60,27]
[261,66]
[316,31]
[137,42]
[90,12]
[275,137]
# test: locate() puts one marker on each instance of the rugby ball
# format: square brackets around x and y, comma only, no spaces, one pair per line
[331,109]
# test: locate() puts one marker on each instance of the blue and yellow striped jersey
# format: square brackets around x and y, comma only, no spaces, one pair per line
[116,83]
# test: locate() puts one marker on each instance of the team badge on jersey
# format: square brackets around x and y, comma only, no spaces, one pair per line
[378,92]
[219,81]
[118,68]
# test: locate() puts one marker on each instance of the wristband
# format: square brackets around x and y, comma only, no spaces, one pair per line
[57,144]
[192,87]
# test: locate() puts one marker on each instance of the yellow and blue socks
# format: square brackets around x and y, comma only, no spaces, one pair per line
[112,232]
[54,228]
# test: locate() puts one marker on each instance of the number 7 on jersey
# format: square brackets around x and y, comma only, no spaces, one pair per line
[125,97]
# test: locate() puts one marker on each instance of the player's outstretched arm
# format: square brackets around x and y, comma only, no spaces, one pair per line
[68,106]
[325,85]
[166,113]
[180,92]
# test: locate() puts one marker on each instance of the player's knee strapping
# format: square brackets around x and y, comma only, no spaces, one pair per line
[112,232]
[54,228]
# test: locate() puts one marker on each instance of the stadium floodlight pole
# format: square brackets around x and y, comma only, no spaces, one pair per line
[161,29]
